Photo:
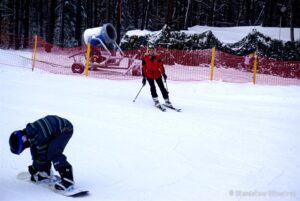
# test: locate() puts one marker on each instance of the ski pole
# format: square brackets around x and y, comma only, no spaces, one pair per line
[166,84]
[138,93]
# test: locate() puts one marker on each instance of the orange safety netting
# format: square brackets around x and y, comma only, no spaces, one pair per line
[182,65]
[232,68]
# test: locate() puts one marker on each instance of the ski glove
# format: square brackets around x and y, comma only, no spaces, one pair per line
[165,76]
[144,81]
[31,170]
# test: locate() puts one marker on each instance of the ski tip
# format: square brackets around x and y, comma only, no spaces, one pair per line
[172,107]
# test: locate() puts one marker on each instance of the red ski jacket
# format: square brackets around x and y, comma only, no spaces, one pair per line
[153,67]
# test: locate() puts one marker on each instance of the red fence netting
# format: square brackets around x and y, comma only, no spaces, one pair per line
[181,65]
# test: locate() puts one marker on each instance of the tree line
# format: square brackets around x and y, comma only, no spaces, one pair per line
[62,22]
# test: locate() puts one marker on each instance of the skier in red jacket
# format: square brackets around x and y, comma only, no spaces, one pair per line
[153,70]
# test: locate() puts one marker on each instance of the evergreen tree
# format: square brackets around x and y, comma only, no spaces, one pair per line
[62,22]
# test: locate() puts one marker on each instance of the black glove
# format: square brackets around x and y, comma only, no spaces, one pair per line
[165,76]
[144,81]
[31,170]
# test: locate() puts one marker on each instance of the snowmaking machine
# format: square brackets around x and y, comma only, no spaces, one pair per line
[105,53]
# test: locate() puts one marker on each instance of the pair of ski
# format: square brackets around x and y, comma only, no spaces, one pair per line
[49,183]
[164,106]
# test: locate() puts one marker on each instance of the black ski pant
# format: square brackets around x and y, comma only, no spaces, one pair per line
[161,86]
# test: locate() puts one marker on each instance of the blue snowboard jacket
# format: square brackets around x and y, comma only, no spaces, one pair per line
[48,137]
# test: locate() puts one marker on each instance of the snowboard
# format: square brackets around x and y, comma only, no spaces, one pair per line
[74,192]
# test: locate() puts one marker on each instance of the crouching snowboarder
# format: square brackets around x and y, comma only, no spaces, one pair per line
[47,138]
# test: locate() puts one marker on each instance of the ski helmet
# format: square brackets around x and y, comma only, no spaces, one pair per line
[17,142]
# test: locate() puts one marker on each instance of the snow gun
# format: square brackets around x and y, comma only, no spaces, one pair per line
[105,53]
[104,36]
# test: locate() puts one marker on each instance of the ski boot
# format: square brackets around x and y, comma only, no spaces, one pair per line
[168,103]
[156,102]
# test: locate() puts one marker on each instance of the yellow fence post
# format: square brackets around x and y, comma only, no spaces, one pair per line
[212,64]
[34,52]
[254,68]
[88,53]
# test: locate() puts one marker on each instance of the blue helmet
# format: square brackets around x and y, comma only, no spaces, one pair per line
[18,142]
